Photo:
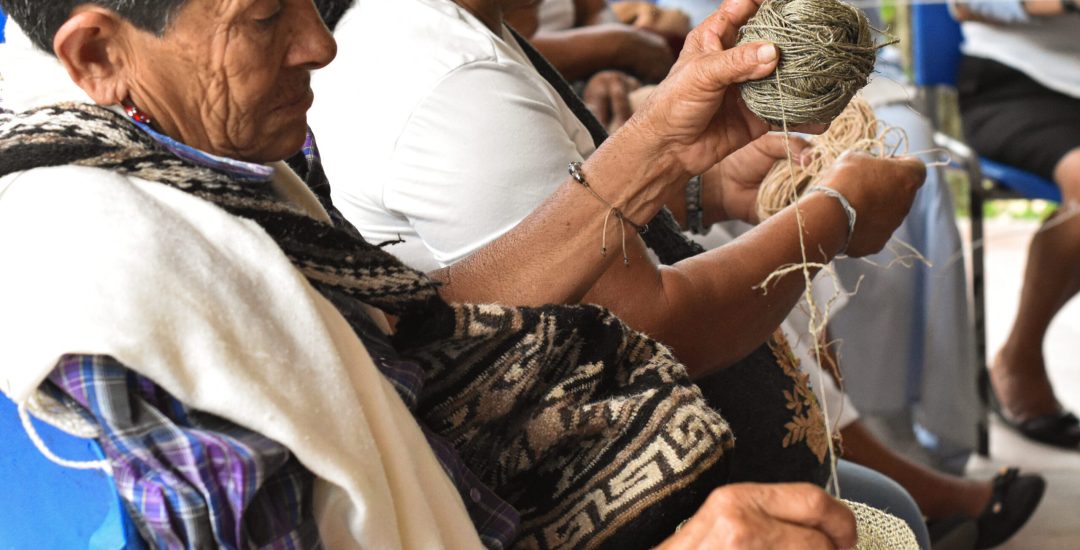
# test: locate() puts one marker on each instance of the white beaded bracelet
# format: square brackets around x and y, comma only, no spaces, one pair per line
[848,210]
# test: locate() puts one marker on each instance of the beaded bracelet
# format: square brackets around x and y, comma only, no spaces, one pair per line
[695,215]
[848,210]
[575,172]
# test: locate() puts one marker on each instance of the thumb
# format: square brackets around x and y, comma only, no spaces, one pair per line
[751,61]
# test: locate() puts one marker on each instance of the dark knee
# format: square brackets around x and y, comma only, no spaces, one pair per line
[1067,175]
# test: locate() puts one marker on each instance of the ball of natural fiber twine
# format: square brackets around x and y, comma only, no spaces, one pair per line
[855,129]
[827,52]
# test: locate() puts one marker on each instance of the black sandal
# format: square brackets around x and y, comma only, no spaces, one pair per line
[954,533]
[1014,499]
[1061,429]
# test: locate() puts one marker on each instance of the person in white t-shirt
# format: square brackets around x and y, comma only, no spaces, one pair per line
[1019,90]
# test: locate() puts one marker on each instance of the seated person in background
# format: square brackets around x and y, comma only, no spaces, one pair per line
[1019,87]
[669,23]
[559,29]
[219,328]
[482,141]
[607,92]
[583,37]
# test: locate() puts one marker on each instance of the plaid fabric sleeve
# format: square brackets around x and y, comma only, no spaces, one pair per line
[191,480]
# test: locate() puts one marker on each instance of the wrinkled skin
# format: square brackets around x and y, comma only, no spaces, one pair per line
[230,77]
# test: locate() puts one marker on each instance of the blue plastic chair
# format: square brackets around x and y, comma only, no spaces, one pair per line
[46,506]
[936,39]
[3,22]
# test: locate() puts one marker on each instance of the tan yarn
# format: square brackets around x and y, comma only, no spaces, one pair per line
[880,530]
[856,129]
[826,56]
[827,52]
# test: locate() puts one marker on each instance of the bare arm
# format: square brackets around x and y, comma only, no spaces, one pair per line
[565,231]
[553,255]
[669,139]
[708,308]
[582,51]
[1006,12]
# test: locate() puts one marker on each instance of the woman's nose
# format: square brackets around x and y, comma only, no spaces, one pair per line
[313,47]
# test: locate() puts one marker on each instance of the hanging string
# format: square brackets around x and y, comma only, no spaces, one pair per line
[773,101]
[31,432]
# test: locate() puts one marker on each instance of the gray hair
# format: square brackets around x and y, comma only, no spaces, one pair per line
[40,19]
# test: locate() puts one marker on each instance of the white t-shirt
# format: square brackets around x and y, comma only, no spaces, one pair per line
[1047,49]
[556,15]
[388,115]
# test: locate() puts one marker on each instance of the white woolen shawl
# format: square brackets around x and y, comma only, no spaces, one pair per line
[205,304]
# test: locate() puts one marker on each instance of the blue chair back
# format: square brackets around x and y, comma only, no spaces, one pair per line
[44,505]
[3,21]
[935,45]
[1023,183]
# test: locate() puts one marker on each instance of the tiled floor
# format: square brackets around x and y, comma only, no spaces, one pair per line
[1056,524]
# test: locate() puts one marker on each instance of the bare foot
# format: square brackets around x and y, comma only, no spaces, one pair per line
[1022,386]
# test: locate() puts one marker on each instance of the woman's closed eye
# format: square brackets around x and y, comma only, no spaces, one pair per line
[267,17]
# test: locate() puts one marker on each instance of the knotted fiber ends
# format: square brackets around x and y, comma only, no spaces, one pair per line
[827,53]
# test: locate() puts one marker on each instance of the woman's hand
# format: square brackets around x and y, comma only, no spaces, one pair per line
[730,190]
[643,53]
[880,190]
[608,96]
[766,516]
[649,16]
[696,114]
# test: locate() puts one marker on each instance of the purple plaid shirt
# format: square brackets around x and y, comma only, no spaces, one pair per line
[193,480]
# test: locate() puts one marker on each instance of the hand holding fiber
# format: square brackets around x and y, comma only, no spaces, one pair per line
[827,53]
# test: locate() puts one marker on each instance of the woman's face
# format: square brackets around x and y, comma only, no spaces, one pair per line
[231,77]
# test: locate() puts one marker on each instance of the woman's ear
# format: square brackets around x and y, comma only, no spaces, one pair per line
[90,45]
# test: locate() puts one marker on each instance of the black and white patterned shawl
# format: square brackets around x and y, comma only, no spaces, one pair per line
[592,430]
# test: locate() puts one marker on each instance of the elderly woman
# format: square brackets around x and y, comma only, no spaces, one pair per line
[220,335]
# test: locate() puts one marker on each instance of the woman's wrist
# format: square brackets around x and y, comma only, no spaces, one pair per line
[635,174]
[849,211]
[826,224]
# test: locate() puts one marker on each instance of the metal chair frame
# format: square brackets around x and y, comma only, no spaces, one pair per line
[936,55]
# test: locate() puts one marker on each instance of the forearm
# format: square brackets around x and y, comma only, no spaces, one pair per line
[1043,8]
[554,254]
[580,52]
[1020,11]
[709,308]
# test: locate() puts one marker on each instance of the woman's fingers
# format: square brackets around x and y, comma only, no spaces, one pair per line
[751,61]
[776,145]
[720,29]
[598,104]
[620,101]
[808,506]
[608,96]
[766,516]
